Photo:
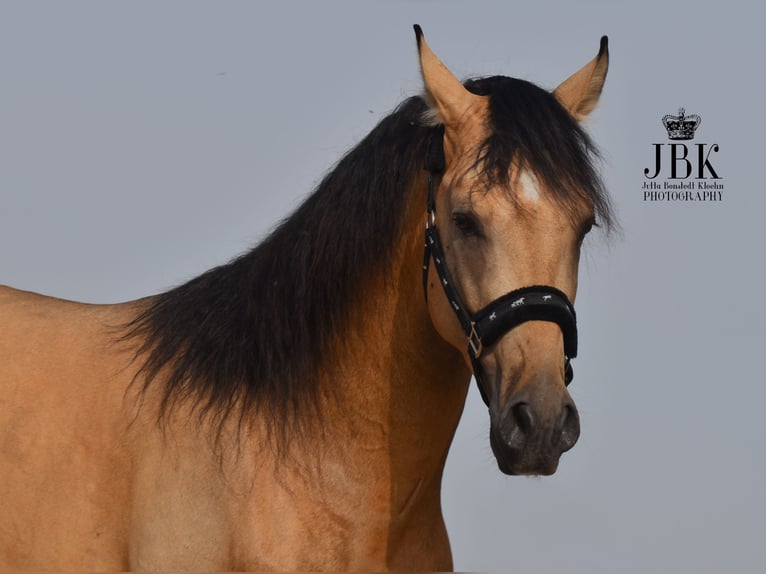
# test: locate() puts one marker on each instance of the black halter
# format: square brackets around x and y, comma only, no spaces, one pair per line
[485,327]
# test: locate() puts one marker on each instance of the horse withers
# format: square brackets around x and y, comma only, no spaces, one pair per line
[293,409]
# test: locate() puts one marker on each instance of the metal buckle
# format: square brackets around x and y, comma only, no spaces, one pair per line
[474,342]
[431,219]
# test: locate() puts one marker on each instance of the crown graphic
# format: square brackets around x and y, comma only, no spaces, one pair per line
[681,127]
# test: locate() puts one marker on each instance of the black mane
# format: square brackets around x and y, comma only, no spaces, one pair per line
[250,335]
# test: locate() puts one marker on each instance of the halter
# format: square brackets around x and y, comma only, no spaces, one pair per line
[488,325]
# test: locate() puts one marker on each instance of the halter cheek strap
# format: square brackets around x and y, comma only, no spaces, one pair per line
[488,325]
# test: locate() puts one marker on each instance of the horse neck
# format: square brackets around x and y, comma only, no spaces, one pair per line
[391,395]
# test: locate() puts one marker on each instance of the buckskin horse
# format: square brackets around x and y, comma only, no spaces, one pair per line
[293,409]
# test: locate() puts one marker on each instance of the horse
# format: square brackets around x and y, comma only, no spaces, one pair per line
[293,408]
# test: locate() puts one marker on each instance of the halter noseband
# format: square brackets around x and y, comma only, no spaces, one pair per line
[488,325]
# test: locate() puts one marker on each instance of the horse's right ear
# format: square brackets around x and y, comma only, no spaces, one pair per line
[447,95]
[580,92]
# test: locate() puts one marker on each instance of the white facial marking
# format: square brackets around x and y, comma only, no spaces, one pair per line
[529,187]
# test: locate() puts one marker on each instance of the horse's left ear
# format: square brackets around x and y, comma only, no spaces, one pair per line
[580,92]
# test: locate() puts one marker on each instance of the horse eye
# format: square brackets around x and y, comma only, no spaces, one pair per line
[466,224]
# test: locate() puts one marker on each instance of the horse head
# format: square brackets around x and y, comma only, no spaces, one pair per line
[515,196]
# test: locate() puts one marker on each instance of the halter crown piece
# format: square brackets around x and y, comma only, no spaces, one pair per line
[488,325]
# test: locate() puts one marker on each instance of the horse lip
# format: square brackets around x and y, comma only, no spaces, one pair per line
[518,462]
[512,468]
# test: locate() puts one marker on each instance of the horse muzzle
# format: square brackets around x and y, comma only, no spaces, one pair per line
[529,436]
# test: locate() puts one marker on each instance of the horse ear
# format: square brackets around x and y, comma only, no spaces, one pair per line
[580,92]
[448,97]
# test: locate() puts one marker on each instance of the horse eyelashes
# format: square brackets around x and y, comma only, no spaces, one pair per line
[466,224]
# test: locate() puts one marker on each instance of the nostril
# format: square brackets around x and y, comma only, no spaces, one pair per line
[518,426]
[524,417]
[570,428]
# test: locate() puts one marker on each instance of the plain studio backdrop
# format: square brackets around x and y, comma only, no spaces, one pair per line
[142,143]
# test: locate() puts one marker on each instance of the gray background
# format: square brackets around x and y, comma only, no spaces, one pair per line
[144,142]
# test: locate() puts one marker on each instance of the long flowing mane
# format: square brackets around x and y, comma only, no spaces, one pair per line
[250,335]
